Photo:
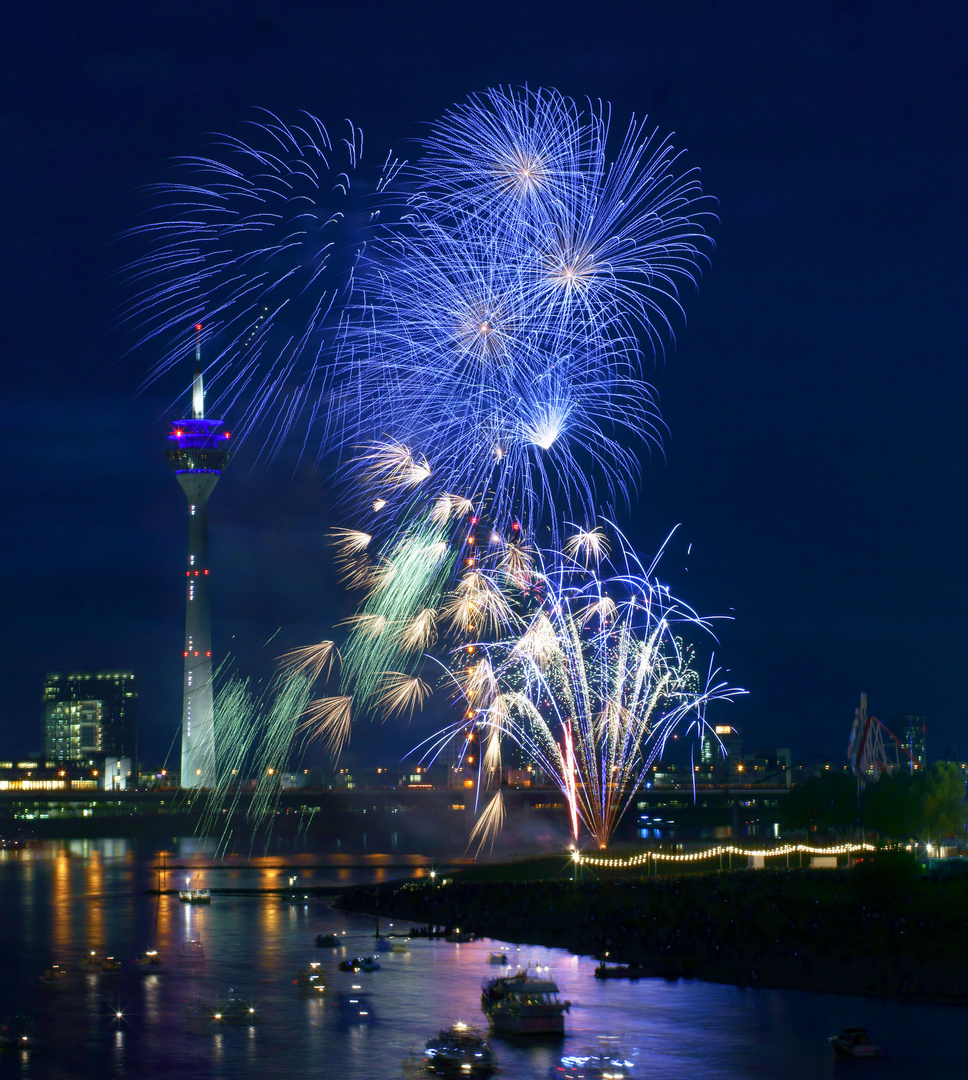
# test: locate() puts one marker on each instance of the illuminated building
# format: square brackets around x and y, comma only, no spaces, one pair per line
[90,715]
[198,454]
[910,731]
[721,750]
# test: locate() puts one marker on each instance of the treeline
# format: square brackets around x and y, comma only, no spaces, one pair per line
[925,805]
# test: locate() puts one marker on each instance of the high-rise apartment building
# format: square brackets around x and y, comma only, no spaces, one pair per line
[90,716]
[910,730]
[721,750]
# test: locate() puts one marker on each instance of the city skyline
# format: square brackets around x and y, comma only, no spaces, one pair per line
[811,401]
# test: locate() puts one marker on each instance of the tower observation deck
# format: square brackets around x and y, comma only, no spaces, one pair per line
[198,453]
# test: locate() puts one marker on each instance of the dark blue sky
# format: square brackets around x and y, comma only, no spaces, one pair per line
[814,401]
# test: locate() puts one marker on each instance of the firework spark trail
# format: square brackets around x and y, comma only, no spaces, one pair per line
[255,736]
[497,326]
[593,705]
[258,243]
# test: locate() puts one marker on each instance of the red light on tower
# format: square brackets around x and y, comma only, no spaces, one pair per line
[198,328]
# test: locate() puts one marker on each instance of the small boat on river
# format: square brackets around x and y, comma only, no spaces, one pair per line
[855,1042]
[359,963]
[353,1008]
[149,962]
[55,977]
[523,1004]
[309,981]
[17,1033]
[607,1062]
[459,1050]
[195,896]
[326,941]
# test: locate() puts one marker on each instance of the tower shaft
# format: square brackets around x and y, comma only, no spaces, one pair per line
[198,455]
[198,705]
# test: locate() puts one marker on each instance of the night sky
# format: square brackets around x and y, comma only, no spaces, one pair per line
[814,399]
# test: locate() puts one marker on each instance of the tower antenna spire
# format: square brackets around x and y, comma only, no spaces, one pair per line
[198,388]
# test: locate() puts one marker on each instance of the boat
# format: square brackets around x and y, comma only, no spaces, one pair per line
[622,971]
[497,958]
[855,1042]
[401,947]
[383,945]
[233,1010]
[55,977]
[460,937]
[91,963]
[459,1050]
[523,1004]
[326,941]
[149,961]
[605,1063]
[110,966]
[192,951]
[353,1008]
[359,963]
[17,1033]
[195,896]
[309,981]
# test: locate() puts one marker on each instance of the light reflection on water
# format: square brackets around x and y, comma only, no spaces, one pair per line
[57,901]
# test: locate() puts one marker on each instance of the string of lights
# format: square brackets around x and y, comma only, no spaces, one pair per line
[715,852]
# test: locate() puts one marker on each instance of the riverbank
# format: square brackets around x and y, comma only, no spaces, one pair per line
[882,933]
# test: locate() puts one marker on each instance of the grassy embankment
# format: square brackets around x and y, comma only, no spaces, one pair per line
[879,929]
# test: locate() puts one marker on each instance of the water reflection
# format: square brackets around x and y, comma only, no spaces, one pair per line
[255,942]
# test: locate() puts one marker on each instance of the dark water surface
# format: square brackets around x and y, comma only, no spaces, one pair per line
[61,900]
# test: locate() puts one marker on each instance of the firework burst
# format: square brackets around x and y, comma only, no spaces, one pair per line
[591,689]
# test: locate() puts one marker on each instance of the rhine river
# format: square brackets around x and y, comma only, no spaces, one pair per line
[61,900]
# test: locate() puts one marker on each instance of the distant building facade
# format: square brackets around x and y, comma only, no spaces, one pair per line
[721,751]
[90,716]
[910,729]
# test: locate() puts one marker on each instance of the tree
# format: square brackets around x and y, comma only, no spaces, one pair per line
[827,801]
[926,804]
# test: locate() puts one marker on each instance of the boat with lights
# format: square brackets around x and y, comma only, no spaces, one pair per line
[55,977]
[359,963]
[195,896]
[459,1050]
[309,980]
[17,1033]
[607,1062]
[149,962]
[353,1008]
[524,1004]
[855,1042]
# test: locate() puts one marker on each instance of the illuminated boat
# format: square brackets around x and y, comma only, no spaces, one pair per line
[359,963]
[459,1049]
[309,981]
[855,1042]
[605,1063]
[17,1033]
[195,896]
[497,958]
[55,977]
[91,963]
[149,961]
[523,1004]
[326,941]
[353,1008]
[233,1010]
[459,936]
[110,966]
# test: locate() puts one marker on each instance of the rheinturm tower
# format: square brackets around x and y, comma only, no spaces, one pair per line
[198,454]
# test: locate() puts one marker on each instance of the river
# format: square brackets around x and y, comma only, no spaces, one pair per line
[58,901]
